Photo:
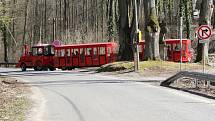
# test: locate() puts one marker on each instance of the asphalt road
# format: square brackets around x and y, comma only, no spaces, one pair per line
[84,96]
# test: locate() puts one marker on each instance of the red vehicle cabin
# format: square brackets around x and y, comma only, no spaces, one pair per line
[40,58]
[84,55]
[174,52]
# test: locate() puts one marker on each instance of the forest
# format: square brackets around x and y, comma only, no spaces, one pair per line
[86,21]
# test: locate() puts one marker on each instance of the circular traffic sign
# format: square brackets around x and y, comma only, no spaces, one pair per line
[204,32]
[56,43]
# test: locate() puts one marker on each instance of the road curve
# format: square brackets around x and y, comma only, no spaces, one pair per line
[84,96]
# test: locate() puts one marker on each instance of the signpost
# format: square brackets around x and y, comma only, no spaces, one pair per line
[56,43]
[181,36]
[204,33]
[136,51]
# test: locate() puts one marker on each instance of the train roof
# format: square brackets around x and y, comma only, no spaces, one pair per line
[89,44]
[41,45]
[169,40]
[77,45]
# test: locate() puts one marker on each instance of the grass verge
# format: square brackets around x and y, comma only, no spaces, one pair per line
[149,65]
[13,100]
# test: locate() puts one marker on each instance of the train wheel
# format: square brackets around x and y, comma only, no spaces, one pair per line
[35,69]
[45,69]
[51,68]
[71,68]
[38,66]
[64,68]
[23,67]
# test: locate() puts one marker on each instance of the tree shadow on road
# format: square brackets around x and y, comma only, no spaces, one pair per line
[75,82]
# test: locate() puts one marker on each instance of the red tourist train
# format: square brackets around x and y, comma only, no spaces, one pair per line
[47,56]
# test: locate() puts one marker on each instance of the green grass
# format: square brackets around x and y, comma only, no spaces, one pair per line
[149,65]
[116,66]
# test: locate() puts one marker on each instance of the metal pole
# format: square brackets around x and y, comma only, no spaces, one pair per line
[54,28]
[203,54]
[41,33]
[181,45]
[136,53]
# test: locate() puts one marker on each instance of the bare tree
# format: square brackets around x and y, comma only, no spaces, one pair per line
[152,31]
[206,10]
[25,22]
[125,40]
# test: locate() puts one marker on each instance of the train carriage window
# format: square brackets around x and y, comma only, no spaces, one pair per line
[68,52]
[82,55]
[62,53]
[56,52]
[49,50]
[75,52]
[89,51]
[184,47]
[109,51]
[94,53]
[176,47]
[52,52]
[46,51]
[102,51]
[82,51]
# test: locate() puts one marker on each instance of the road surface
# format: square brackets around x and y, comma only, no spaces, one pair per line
[84,96]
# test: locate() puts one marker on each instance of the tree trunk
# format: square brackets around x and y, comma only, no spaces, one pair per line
[125,50]
[45,19]
[102,24]
[110,20]
[87,17]
[187,16]
[25,22]
[213,15]
[206,9]
[60,19]
[65,15]
[13,27]
[3,29]
[152,31]
[5,42]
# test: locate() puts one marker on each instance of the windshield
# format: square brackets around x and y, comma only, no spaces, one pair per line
[36,51]
[47,50]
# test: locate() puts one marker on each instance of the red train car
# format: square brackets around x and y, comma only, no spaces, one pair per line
[46,56]
[174,51]
[85,55]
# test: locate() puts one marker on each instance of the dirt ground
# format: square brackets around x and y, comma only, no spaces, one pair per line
[199,87]
[13,99]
